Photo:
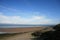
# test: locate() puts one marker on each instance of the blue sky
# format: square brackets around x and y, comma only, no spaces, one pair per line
[30,11]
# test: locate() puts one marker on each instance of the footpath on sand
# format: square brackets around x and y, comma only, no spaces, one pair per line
[24,36]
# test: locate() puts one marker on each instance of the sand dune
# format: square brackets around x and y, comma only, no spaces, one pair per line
[25,36]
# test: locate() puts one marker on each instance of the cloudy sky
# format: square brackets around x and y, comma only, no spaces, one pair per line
[30,11]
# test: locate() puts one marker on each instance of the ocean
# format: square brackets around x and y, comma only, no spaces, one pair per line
[20,26]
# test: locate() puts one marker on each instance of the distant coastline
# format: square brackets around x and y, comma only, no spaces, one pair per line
[22,25]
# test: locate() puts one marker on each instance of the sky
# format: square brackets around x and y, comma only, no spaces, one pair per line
[30,11]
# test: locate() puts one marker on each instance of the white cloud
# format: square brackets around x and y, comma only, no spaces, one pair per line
[21,20]
[38,17]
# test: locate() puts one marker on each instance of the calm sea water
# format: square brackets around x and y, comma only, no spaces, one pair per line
[20,26]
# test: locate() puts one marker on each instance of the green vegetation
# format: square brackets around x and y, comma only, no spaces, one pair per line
[6,35]
[48,35]
[57,27]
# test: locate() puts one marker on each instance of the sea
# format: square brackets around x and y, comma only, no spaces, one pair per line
[21,26]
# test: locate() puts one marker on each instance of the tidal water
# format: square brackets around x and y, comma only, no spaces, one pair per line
[21,25]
